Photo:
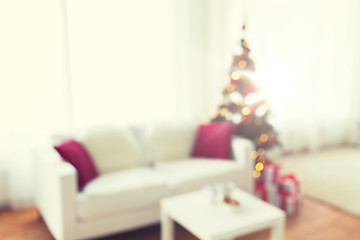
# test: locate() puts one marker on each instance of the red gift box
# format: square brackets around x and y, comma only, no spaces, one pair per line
[260,190]
[290,183]
[290,202]
[271,174]
[267,193]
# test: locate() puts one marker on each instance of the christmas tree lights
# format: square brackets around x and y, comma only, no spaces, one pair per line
[243,105]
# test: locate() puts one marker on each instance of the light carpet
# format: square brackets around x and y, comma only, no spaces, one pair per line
[331,175]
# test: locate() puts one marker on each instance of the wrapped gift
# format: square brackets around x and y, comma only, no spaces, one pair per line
[290,202]
[260,190]
[271,174]
[267,193]
[273,196]
[290,183]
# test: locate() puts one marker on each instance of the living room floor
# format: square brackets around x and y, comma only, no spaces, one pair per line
[330,175]
[315,221]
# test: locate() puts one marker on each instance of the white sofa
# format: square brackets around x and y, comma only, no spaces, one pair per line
[138,166]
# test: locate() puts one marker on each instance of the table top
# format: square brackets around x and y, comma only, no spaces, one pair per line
[199,214]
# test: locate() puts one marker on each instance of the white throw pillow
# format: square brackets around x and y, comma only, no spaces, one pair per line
[170,141]
[112,148]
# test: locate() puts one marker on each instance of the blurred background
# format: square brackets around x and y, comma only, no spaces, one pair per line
[69,65]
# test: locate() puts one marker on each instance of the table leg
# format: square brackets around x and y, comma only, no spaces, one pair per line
[167,227]
[277,231]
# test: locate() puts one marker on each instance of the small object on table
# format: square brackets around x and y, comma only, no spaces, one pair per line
[231,201]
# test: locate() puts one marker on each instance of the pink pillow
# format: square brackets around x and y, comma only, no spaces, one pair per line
[74,153]
[213,140]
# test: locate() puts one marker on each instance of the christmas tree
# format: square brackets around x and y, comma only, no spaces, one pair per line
[243,104]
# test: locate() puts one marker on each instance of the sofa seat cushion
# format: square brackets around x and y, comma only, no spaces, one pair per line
[121,191]
[191,174]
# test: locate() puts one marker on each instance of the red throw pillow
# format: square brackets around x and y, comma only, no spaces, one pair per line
[74,153]
[213,140]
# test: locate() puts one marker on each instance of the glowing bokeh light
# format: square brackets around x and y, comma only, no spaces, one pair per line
[261,159]
[235,75]
[259,167]
[236,97]
[246,111]
[264,137]
[256,174]
[261,110]
[242,64]
[237,118]
[229,116]
[230,87]
[261,151]
[245,44]
[223,111]
[254,154]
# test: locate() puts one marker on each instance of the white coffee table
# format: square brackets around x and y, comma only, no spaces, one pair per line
[213,221]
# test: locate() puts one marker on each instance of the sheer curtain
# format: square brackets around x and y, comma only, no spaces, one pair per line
[33,92]
[130,61]
[123,64]
[306,54]
[308,68]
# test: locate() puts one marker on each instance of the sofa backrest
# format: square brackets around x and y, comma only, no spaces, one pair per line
[169,140]
[112,147]
[115,147]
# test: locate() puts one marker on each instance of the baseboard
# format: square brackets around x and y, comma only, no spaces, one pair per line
[23,204]
[4,189]
[4,206]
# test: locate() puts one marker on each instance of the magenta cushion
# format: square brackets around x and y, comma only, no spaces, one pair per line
[74,153]
[213,140]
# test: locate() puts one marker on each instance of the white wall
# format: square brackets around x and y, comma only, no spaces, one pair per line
[123,64]
[4,188]
[32,89]
[123,69]
[354,134]
[146,60]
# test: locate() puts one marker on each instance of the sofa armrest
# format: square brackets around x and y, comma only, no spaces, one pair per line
[55,192]
[241,149]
